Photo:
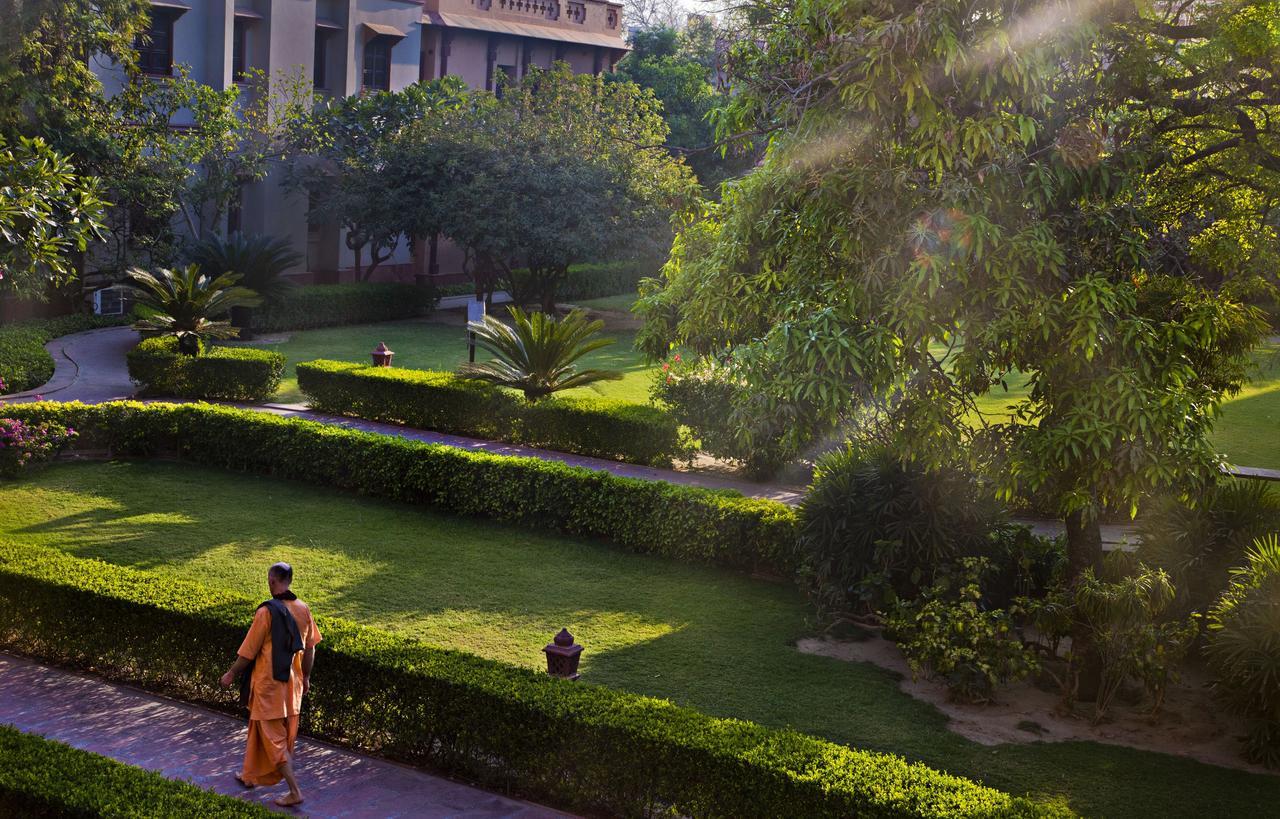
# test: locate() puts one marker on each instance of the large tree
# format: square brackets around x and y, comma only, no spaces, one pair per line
[554,170]
[956,191]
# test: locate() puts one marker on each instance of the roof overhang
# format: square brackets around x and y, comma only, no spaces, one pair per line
[471,23]
[247,14]
[331,25]
[382,30]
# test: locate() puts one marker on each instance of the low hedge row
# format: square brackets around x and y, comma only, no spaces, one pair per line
[577,745]
[24,362]
[686,523]
[442,401]
[43,778]
[224,373]
[329,305]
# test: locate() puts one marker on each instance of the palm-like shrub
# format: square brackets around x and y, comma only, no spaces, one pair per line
[1244,647]
[188,304]
[259,261]
[537,354]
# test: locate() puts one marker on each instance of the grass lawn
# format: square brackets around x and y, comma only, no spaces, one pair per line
[709,639]
[620,303]
[427,345]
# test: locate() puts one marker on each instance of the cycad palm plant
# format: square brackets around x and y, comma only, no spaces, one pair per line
[189,304]
[537,354]
[259,261]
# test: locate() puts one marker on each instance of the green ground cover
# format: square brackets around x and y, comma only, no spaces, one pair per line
[716,641]
[1248,430]
[620,303]
[429,345]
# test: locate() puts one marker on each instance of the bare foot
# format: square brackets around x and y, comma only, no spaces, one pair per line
[243,783]
[289,800]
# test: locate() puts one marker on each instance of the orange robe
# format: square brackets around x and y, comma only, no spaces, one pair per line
[273,705]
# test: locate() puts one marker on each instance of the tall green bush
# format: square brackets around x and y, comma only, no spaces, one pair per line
[579,745]
[221,373]
[1244,647]
[331,305]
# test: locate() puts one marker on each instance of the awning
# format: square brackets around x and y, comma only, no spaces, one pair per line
[325,22]
[248,14]
[171,7]
[383,30]
[466,21]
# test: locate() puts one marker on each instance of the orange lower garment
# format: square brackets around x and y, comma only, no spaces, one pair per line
[270,745]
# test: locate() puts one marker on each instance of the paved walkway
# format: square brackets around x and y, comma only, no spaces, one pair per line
[204,747]
[88,367]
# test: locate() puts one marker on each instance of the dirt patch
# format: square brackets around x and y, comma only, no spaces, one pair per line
[1191,723]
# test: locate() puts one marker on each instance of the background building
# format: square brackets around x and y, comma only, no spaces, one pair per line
[350,46]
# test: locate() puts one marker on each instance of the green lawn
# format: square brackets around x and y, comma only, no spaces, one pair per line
[620,303]
[712,640]
[428,345]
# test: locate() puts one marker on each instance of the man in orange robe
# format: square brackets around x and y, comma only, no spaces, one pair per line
[274,704]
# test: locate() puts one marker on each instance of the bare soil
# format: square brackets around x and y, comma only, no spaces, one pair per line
[1190,723]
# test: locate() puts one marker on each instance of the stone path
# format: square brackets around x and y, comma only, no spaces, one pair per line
[88,367]
[204,747]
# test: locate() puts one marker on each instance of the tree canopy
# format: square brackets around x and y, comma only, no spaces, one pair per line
[957,191]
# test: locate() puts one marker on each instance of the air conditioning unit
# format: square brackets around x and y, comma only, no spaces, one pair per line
[111,301]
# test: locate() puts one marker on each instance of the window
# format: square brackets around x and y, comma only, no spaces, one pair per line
[155,45]
[239,47]
[235,212]
[320,71]
[503,78]
[377,63]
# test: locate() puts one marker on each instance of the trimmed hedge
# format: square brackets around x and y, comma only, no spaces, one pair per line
[24,362]
[226,373]
[442,401]
[682,522]
[578,745]
[329,305]
[40,777]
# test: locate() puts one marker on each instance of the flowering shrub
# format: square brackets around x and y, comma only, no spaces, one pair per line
[22,445]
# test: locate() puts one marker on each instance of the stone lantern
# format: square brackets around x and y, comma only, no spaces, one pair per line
[563,655]
[382,355]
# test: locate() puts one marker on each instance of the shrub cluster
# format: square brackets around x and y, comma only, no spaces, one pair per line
[24,362]
[656,517]
[329,305]
[444,402]
[22,445]
[40,777]
[225,373]
[578,745]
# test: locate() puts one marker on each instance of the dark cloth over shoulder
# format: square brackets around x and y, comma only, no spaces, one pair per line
[286,641]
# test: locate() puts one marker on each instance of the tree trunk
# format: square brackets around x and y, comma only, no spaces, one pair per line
[1084,551]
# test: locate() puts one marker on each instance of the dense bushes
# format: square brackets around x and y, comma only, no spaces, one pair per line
[225,373]
[1244,648]
[580,745]
[874,528]
[327,305]
[1198,545]
[686,523]
[24,363]
[444,402]
[40,777]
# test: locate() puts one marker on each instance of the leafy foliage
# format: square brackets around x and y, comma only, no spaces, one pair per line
[41,777]
[327,305]
[1127,622]
[189,304]
[1199,544]
[874,527]
[22,445]
[537,354]
[259,261]
[1244,647]
[949,632]
[47,213]
[443,401]
[218,373]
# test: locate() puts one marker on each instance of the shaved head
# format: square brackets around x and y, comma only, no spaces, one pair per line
[281,573]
